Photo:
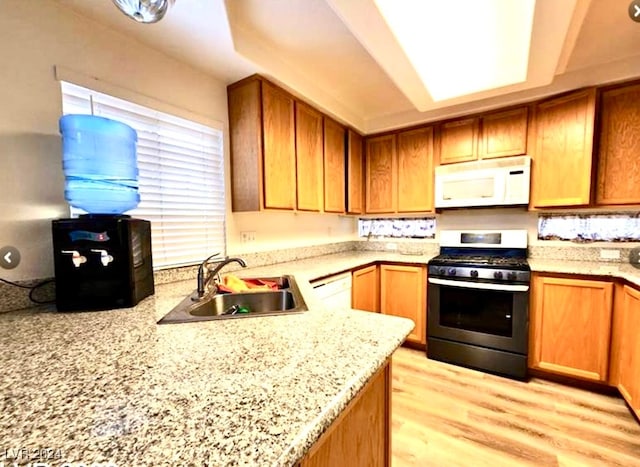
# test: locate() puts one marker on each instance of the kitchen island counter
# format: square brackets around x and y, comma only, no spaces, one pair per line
[113,387]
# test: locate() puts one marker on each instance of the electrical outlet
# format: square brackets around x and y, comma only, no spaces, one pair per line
[391,246]
[609,254]
[247,237]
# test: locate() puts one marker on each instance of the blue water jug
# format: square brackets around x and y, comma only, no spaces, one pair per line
[99,164]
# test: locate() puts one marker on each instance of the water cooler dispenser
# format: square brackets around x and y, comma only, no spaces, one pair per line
[102,259]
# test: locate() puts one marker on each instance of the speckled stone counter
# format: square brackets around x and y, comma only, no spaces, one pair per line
[611,270]
[115,387]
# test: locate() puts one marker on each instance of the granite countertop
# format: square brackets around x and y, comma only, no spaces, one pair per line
[113,387]
[592,268]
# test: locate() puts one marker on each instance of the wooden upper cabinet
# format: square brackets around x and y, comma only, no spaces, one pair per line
[618,168]
[365,289]
[415,170]
[334,167]
[355,173]
[263,150]
[279,148]
[309,154]
[381,174]
[570,326]
[562,157]
[245,129]
[403,292]
[504,133]
[459,141]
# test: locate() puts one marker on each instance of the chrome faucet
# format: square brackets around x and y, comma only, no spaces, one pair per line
[205,275]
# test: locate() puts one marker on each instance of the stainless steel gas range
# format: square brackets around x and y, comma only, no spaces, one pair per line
[478,301]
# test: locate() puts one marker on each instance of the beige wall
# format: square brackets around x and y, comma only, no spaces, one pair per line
[34,41]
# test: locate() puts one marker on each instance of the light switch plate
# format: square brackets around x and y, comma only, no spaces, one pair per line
[247,237]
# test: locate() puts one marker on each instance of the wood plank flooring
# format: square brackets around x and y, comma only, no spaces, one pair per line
[452,416]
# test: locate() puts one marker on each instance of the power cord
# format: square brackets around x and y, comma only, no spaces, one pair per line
[32,289]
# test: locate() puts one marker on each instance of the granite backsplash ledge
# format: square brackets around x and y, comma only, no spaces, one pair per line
[574,252]
[16,298]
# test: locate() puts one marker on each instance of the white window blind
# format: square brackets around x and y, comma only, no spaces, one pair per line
[181,176]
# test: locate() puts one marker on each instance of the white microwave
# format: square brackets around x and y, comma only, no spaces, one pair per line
[492,182]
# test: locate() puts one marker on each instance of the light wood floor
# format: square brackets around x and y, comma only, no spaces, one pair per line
[448,415]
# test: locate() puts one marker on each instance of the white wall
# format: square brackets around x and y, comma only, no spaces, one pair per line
[36,36]
[276,230]
[494,218]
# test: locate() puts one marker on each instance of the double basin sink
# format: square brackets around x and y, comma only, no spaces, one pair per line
[286,300]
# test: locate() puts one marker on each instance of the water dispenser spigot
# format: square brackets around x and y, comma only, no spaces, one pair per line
[105,257]
[76,257]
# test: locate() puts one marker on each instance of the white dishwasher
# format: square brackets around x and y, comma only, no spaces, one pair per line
[334,291]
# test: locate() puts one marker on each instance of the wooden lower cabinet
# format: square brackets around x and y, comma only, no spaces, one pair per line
[365,289]
[403,292]
[361,436]
[626,344]
[570,326]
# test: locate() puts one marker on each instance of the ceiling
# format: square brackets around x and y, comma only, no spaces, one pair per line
[340,56]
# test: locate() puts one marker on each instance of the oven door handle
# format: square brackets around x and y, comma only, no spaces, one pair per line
[479,285]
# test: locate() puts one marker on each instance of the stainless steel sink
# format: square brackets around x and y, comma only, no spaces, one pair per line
[287,300]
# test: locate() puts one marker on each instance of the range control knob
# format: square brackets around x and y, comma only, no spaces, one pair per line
[442,271]
[497,274]
[512,276]
[473,273]
[452,272]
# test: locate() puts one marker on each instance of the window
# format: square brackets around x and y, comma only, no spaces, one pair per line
[181,176]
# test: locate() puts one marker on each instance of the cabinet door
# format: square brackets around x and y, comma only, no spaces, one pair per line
[618,169]
[403,292]
[563,150]
[334,170]
[279,157]
[365,291]
[361,435]
[570,326]
[309,155]
[355,166]
[459,141]
[629,351]
[381,174]
[245,130]
[504,134]
[415,170]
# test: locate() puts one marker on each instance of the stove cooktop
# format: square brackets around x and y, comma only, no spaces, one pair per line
[471,260]
[495,269]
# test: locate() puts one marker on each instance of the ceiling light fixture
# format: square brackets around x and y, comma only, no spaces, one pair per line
[144,11]
[462,47]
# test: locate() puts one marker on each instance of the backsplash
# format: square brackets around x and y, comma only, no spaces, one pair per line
[590,227]
[398,228]
[13,298]
[579,253]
